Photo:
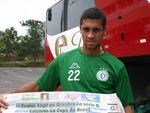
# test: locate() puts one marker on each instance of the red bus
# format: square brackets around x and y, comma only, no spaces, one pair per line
[128,36]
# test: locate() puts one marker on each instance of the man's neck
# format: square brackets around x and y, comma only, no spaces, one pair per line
[92,51]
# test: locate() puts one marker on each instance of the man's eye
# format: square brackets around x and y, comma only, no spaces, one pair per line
[96,30]
[86,29]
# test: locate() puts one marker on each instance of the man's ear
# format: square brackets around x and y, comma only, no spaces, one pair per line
[105,30]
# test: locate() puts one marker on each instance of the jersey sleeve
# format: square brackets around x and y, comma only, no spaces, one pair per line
[49,81]
[123,88]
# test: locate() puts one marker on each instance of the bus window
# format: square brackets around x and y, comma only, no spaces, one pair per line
[54,15]
[75,9]
[89,3]
[49,15]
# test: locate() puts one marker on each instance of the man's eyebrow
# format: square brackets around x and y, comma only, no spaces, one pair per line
[85,28]
[97,28]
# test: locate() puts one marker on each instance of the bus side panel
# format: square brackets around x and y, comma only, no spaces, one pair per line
[48,55]
[128,38]
[128,27]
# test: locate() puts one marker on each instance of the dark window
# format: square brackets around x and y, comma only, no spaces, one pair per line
[89,4]
[54,15]
[66,15]
[75,10]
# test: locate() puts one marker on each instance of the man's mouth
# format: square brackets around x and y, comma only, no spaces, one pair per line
[90,42]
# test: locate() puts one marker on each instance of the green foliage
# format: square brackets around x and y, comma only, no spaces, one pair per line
[2,47]
[32,45]
[1,58]
[40,63]
[8,41]
[22,65]
[22,46]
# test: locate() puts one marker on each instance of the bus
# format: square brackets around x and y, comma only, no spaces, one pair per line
[127,37]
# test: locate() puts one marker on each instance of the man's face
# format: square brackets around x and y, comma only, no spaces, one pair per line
[44,96]
[92,33]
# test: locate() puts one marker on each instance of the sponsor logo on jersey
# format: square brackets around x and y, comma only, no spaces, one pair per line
[74,66]
[102,74]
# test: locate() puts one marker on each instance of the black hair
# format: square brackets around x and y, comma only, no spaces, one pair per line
[93,13]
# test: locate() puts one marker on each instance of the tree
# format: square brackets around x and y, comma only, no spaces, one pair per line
[33,40]
[2,45]
[8,39]
[22,46]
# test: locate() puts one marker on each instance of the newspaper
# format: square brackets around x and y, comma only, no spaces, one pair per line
[63,102]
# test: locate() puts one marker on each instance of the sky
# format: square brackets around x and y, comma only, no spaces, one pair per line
[14,11]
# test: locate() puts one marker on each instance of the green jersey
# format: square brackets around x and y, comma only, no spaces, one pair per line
[76,71]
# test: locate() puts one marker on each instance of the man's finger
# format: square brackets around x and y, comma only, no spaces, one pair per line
[3,106]
[3,103]
[0,110]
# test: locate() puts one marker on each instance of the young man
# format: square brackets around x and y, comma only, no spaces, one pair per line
[86,69]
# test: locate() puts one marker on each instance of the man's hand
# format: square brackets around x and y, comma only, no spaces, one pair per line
[128,109]
[3,103]
[29,87]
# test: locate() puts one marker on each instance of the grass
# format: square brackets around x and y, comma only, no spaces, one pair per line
[29,63]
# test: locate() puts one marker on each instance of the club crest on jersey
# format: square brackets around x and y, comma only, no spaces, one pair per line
[102,74]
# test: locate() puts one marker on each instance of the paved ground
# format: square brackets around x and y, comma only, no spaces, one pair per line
[12,78]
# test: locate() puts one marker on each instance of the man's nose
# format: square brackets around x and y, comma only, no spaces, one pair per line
[90,34]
